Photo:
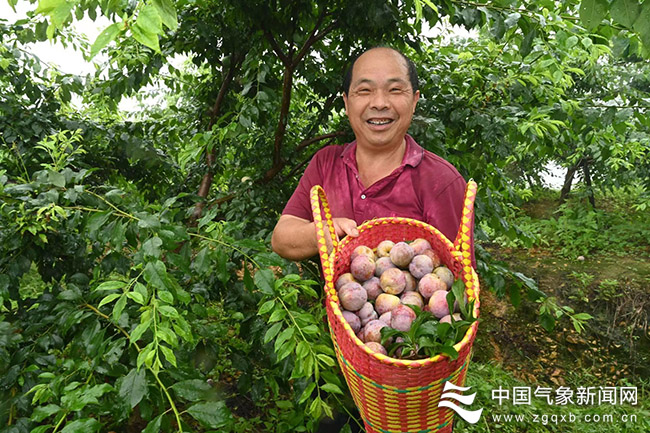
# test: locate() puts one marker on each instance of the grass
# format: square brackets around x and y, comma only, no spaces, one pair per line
[502,415]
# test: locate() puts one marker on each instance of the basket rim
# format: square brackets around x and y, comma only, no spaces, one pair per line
[332,298]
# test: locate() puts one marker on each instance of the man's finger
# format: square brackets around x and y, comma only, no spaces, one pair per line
[350,228]
[353,231]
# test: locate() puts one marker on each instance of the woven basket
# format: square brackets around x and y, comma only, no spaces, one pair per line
[395,395]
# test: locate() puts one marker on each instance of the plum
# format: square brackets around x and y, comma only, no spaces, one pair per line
[411,282]
[362,250]
[445,274]
[393,281]
[438,304]
[447,318]
[386,317]
[384,247]
[377,347]
[420,266]
[420,245]
[412,298]
[386,302]
[435,258]
[344,279]
[353,296]
[353,320]
[362,268]
[373,288]
[366,313]
[429,284]
[401,254]
[372,331]
[401,318]
[382,264]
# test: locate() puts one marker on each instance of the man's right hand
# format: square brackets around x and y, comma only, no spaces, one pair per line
[345,227]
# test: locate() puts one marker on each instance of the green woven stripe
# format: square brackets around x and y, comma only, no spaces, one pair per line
[397,390]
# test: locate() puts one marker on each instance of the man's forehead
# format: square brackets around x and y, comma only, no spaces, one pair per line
[378,60]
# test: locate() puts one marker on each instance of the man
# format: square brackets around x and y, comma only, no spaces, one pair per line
[384,172]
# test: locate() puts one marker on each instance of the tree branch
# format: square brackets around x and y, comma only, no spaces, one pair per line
[286,61]
[313,140]
[324,111]
[313,37]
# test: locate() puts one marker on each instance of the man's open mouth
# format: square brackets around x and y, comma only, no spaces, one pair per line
[379,121]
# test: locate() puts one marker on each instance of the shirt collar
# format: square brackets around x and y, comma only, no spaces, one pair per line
[413,155]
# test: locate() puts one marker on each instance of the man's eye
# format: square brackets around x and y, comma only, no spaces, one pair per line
[363,91]
[396,90]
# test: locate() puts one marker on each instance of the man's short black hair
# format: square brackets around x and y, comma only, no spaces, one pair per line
[412,72]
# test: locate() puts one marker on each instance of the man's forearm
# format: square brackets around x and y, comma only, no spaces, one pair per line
[294,239]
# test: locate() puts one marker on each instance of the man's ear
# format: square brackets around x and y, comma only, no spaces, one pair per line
[416,98]
[345,102]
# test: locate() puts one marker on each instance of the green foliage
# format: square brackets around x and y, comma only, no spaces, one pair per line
[580,231]
[550,311]
[609,289]
[121,316]
[427,337]
[294,312]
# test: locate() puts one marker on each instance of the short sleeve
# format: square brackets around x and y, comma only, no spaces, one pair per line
[299,205]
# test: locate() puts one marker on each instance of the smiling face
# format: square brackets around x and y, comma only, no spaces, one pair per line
[380,102]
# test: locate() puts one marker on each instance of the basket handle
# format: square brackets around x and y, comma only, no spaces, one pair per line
[463,237]
[318,198]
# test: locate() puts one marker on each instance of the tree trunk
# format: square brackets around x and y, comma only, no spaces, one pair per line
[206,182]
[287,84]
[568,179]
[590,189]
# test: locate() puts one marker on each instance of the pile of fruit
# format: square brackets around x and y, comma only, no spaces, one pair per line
[398,286]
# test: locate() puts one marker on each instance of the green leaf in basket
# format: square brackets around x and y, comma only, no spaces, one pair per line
[458,289]
[448,349]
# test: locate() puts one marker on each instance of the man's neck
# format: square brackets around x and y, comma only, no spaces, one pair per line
[374,164]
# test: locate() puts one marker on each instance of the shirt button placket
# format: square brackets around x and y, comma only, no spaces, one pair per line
[363,196]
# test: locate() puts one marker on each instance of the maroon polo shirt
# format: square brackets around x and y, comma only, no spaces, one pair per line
[424,187]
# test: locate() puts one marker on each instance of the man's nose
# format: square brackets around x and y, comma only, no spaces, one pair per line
[379,100]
